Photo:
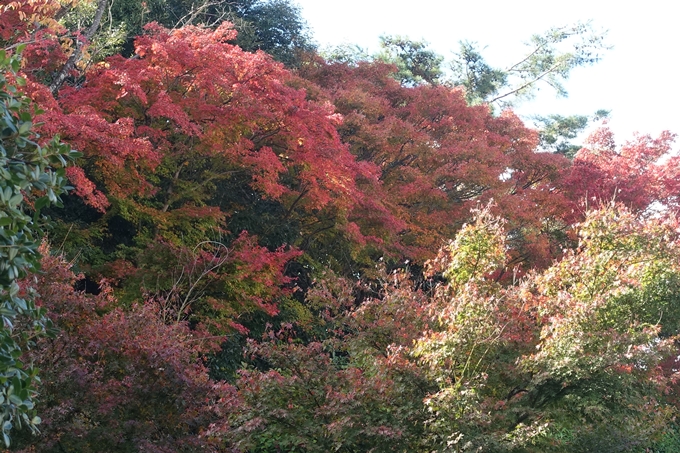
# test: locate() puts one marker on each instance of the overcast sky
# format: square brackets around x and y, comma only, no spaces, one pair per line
[637,80]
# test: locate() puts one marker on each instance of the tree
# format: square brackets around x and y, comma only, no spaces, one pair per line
[275,27]
[31,178]
[77,52]
[22,18]
[555,131]
[415,63]
[118,380]
[471,71]
[544,62]
[60,52]
[349,54]
[215,184]
[349,387]
[201,143]
[561,361]
[437,158]
[640,174]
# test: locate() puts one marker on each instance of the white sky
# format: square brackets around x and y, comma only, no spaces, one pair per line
[638,80]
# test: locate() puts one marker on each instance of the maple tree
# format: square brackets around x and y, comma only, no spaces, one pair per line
[340,379]
[53,52]
[228,215]
[115,379]
[175,157]
[22,17]
[641,173]
[566,359]
[162,115]
[214,286]
[541,365]
[438,157]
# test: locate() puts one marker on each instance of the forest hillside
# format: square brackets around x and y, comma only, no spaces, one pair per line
[216,237]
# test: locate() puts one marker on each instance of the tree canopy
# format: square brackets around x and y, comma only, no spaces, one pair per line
[257,248]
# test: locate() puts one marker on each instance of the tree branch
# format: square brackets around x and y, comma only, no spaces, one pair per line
[77,53]
[535,51]
[521,87]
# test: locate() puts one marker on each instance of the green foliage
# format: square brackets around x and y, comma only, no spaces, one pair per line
[556,131]
[133,15]
[480,80]
[550,59]
[599,350]
[416,64]
[348,54]
[349,388]
[31,178]
[567,360]
[273,26]
[108,41]
[479,248]
[669,441]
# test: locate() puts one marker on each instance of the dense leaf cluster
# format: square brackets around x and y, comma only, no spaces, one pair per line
[31,178]
[351,256]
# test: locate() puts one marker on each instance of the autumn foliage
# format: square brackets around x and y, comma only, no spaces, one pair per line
[438,157]
[118,379]
[254,259]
